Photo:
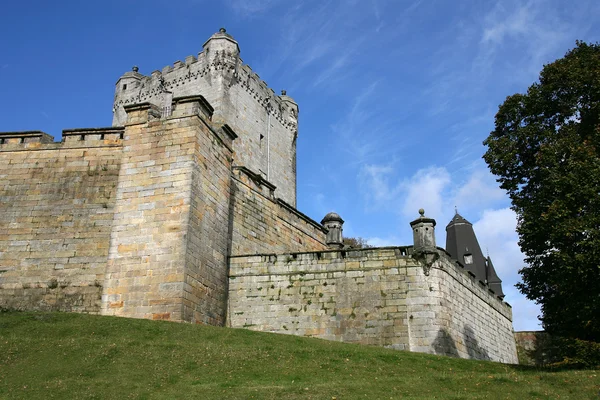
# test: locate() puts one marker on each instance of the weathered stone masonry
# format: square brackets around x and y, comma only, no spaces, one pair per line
[185,211]
[57,202]
[371,296]
[136,221]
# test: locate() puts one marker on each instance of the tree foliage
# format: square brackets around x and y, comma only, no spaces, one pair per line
[545,151]
[356,243]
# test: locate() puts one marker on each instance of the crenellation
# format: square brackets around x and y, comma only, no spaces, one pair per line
[25,137]
[110,135]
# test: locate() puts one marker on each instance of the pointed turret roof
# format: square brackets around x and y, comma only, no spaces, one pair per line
[463,246]
[494,282]
[458,219]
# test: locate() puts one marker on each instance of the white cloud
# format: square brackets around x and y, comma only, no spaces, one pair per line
[426,190]
[480,190]
[518,22]
[384,242]
[525,312]
[496,233]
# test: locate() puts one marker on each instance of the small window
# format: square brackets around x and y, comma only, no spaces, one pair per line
[468,258]
[125,87]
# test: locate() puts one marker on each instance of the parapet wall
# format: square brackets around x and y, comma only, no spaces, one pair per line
[371,296]
[264,224]
[458,315]
[56,211]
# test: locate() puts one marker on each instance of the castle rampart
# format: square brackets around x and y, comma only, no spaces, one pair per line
[371,296]
[137,220]
[265,224]
[57,202]
[185,211]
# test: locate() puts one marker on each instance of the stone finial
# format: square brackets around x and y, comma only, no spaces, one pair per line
[424,248]
[222,30]
[283,92]
[333,223]
[135,68]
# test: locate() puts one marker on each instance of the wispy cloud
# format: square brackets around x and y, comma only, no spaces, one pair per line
[363,131]
[376,185]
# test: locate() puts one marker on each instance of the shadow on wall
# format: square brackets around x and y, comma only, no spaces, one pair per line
[445,345]
[473,348]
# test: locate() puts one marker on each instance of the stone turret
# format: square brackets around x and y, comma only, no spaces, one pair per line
[424,248]
[221,43]
[333,222]
[128,81]
[493,281]
[292,107]
[423,233]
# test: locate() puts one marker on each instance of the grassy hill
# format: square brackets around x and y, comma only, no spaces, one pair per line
[74,356]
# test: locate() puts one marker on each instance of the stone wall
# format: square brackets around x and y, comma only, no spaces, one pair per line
[263,224]
[532,347]
[354,296]
[168,251]
[457,315]
[371,296]
[56,211]
[205,286]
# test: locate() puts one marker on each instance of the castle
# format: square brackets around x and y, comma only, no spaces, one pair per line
[185,210]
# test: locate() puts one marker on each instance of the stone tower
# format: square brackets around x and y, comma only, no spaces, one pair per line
[266,123]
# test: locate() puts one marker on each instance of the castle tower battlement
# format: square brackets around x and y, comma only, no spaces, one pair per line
[266,123]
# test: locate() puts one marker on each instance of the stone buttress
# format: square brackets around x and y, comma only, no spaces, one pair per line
[169,239]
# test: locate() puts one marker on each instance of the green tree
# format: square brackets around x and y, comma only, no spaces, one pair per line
[545,152]
[356,242]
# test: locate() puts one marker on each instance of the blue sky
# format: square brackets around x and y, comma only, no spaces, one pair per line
[395,97]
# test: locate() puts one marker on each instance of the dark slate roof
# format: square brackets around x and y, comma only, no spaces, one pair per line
[494,282]
[461,241]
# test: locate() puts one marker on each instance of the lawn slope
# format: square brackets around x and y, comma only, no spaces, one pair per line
[75,356]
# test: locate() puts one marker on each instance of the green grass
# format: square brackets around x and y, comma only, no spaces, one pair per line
[74,356]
